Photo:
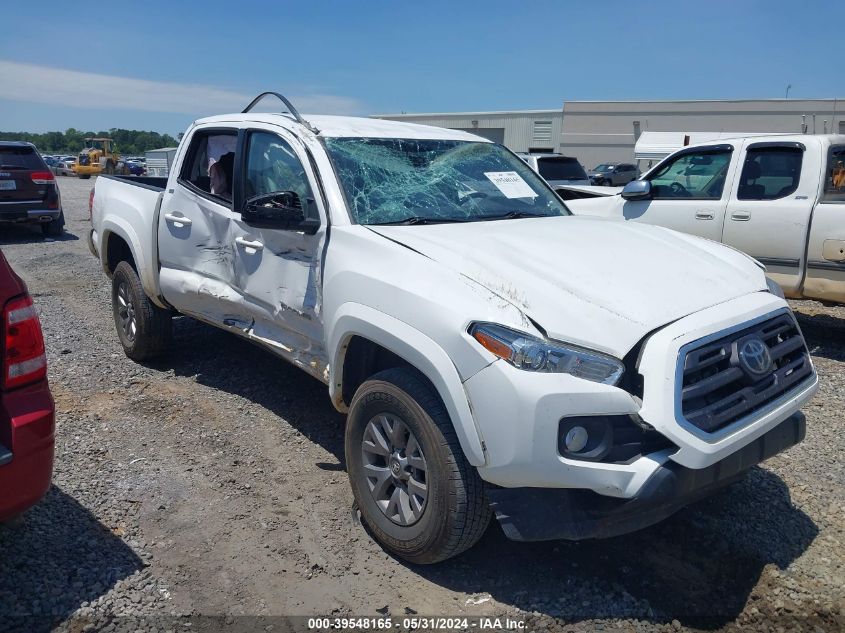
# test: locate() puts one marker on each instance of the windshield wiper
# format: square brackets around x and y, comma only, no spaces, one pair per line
[416,219]
[512,215]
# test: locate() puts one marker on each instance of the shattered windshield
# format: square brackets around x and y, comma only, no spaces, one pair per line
[398,181]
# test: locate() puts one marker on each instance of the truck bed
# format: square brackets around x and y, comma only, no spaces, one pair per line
[133,204]
[148,182]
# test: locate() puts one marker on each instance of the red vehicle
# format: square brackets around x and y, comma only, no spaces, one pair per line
[27,412]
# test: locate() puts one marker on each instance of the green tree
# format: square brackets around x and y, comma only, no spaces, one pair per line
[72,140]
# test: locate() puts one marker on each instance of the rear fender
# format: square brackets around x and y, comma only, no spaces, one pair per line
[146,272]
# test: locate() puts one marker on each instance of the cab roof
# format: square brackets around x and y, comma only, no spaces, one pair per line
[349,127]
[821,139]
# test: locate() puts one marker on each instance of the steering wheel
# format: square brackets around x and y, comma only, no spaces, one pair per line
[679,191]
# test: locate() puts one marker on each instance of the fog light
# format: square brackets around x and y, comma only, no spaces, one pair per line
[587,437]
[576,439]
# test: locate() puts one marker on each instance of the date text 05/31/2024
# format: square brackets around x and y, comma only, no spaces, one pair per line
[416,623]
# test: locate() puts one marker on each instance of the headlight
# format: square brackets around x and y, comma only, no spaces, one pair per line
[774,288]
[533,354]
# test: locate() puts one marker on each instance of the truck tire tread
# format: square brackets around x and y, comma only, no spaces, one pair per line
[155,325]
[472,511]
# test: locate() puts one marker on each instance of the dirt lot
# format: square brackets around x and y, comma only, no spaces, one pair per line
[212,483]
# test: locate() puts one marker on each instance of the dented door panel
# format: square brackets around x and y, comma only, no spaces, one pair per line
[197,256]
[278,271]
[280,285]
[196,242]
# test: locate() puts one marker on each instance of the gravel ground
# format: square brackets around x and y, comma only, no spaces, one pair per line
[211,483]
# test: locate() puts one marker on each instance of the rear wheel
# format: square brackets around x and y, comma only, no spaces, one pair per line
[54,228]
[416,491]
[143,328]
[85,176]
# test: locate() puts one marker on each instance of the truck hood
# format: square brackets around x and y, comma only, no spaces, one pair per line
[600,283]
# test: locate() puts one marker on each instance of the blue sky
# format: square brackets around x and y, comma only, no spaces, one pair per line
[158,65]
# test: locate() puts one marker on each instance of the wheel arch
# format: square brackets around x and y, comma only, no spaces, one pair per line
[119,242]
[359,331]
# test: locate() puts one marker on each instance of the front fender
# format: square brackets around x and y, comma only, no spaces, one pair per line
[419,351]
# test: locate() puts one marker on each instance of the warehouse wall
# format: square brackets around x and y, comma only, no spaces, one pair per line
[519,130]
[602,131]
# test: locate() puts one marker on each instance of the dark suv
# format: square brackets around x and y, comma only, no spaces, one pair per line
[28,189]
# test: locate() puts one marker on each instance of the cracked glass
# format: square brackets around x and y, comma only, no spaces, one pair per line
[395,181]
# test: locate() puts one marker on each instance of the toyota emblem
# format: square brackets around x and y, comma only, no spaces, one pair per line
[755,358]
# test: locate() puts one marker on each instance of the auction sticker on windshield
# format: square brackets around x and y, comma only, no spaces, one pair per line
[511,184]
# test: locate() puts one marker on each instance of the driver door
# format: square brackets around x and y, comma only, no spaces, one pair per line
[689,192]
[277,268]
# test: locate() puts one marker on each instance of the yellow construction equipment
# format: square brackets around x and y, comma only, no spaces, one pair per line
[98,157]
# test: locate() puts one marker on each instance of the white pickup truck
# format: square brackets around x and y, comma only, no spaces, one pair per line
[489,349]
[780,198]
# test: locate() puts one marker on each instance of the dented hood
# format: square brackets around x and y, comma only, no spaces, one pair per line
[600,283]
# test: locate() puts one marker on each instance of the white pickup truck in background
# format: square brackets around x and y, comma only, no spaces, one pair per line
[781,199]
[489,349]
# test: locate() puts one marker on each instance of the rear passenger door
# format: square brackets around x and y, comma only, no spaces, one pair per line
[196,246]
[689,192]
[826,247]
[770,206]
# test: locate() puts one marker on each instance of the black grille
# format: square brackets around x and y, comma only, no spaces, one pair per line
[719,388]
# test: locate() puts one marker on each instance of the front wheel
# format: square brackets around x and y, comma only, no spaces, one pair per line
[415,489]
[143,328]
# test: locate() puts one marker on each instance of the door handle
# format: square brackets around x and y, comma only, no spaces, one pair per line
[244,243]
[178,220]
[741,216]
[704,215]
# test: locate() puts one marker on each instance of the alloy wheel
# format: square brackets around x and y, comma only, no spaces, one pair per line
[395,468]
[126,312]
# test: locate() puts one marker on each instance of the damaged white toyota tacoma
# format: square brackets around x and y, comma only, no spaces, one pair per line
[579,377]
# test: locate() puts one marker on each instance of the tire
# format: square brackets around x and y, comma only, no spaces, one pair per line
[144,329]
[54,228]
[85,176]
[455,512]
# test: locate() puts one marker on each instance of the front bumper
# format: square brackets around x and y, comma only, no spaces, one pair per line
[518,413]
[540,514]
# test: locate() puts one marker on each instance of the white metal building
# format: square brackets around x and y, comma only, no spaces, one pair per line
[520,130]
[159,161]
[607,131]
